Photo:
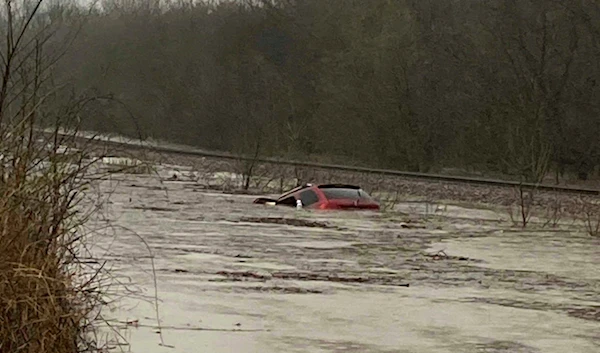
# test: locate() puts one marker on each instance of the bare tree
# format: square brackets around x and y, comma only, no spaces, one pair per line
[500,88]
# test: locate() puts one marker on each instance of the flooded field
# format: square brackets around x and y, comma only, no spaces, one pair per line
[237,277]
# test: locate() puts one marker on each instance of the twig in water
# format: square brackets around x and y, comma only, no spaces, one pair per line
[155,281]
[183,328]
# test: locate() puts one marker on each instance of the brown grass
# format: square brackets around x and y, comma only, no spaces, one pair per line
[49,288]
[47,293]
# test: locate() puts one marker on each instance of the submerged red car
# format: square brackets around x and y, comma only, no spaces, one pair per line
[325,197]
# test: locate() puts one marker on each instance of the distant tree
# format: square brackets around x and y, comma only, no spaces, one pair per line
[494,87]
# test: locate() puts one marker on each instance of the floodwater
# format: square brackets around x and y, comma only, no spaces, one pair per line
[233,277]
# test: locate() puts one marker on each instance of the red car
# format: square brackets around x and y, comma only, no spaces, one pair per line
[325,197]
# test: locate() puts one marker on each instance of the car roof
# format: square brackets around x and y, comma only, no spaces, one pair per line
[338,186]
[320,186]
[296,189]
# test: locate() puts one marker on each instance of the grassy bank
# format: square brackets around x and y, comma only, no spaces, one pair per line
[47,288]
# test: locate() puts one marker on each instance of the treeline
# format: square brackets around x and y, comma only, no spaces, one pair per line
[505,87]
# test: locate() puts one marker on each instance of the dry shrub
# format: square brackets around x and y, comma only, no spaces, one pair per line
[387,200]
[554,212]
[49,294]
[46,292]
[521,207]
[589,215]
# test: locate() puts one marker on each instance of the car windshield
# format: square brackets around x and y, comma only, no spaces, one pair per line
[345,193]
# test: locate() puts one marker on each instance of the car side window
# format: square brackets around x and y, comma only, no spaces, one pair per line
[308,197]
[288,201]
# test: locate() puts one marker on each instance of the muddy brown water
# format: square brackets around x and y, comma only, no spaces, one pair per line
[232,277]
